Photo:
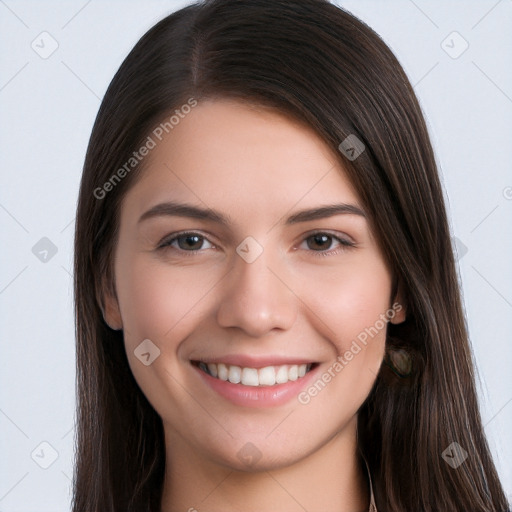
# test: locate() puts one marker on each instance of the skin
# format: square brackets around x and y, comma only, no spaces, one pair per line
[257,168]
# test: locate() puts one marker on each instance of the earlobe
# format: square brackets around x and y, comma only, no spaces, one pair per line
[109,306]
[400,313]
[399,309]
[112,314]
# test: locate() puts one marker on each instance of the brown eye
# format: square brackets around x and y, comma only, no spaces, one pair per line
[187,242]
[322,242]
[319,242]
[190,242]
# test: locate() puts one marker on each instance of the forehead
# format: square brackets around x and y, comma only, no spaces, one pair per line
[228,154]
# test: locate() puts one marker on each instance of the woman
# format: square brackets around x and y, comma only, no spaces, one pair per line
[268,314]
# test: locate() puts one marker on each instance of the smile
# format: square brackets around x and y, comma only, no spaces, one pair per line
[267,376]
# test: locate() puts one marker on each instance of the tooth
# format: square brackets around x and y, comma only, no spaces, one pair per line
[250,377]
[293,372]
[282,375]
[213,369]
[267,376]
[222,370]
[234,374]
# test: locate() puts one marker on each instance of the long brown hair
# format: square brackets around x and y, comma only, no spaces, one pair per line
[316,62]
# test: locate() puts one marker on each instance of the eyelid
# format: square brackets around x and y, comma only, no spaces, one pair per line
[344,240]
[166,241]
[342,237]
[345,243]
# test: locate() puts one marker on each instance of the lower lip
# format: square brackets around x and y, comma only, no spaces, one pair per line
[257,396]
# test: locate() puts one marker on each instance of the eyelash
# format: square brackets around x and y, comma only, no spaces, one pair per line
[344,244]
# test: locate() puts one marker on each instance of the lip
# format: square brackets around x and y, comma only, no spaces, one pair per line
[247,361]
[257,396]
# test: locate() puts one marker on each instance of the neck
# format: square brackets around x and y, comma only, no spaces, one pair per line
[330,479]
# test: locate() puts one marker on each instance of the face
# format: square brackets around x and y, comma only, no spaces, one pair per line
[245,258]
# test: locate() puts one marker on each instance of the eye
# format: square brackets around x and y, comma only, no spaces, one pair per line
[189,242]
[325,242]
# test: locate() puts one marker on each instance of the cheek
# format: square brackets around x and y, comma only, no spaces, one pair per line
[348,308]
[159,301]
[163,304]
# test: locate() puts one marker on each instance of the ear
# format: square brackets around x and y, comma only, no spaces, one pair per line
[109,306]
[398,306]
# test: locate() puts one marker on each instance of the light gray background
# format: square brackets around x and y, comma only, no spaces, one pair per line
[47,108]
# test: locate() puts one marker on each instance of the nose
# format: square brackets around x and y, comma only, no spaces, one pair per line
[257,299]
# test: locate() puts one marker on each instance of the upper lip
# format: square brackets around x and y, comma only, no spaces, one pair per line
[251,361]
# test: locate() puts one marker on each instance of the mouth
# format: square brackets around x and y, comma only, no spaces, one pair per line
[255,377]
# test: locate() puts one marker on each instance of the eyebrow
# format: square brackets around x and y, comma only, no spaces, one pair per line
[197,212]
